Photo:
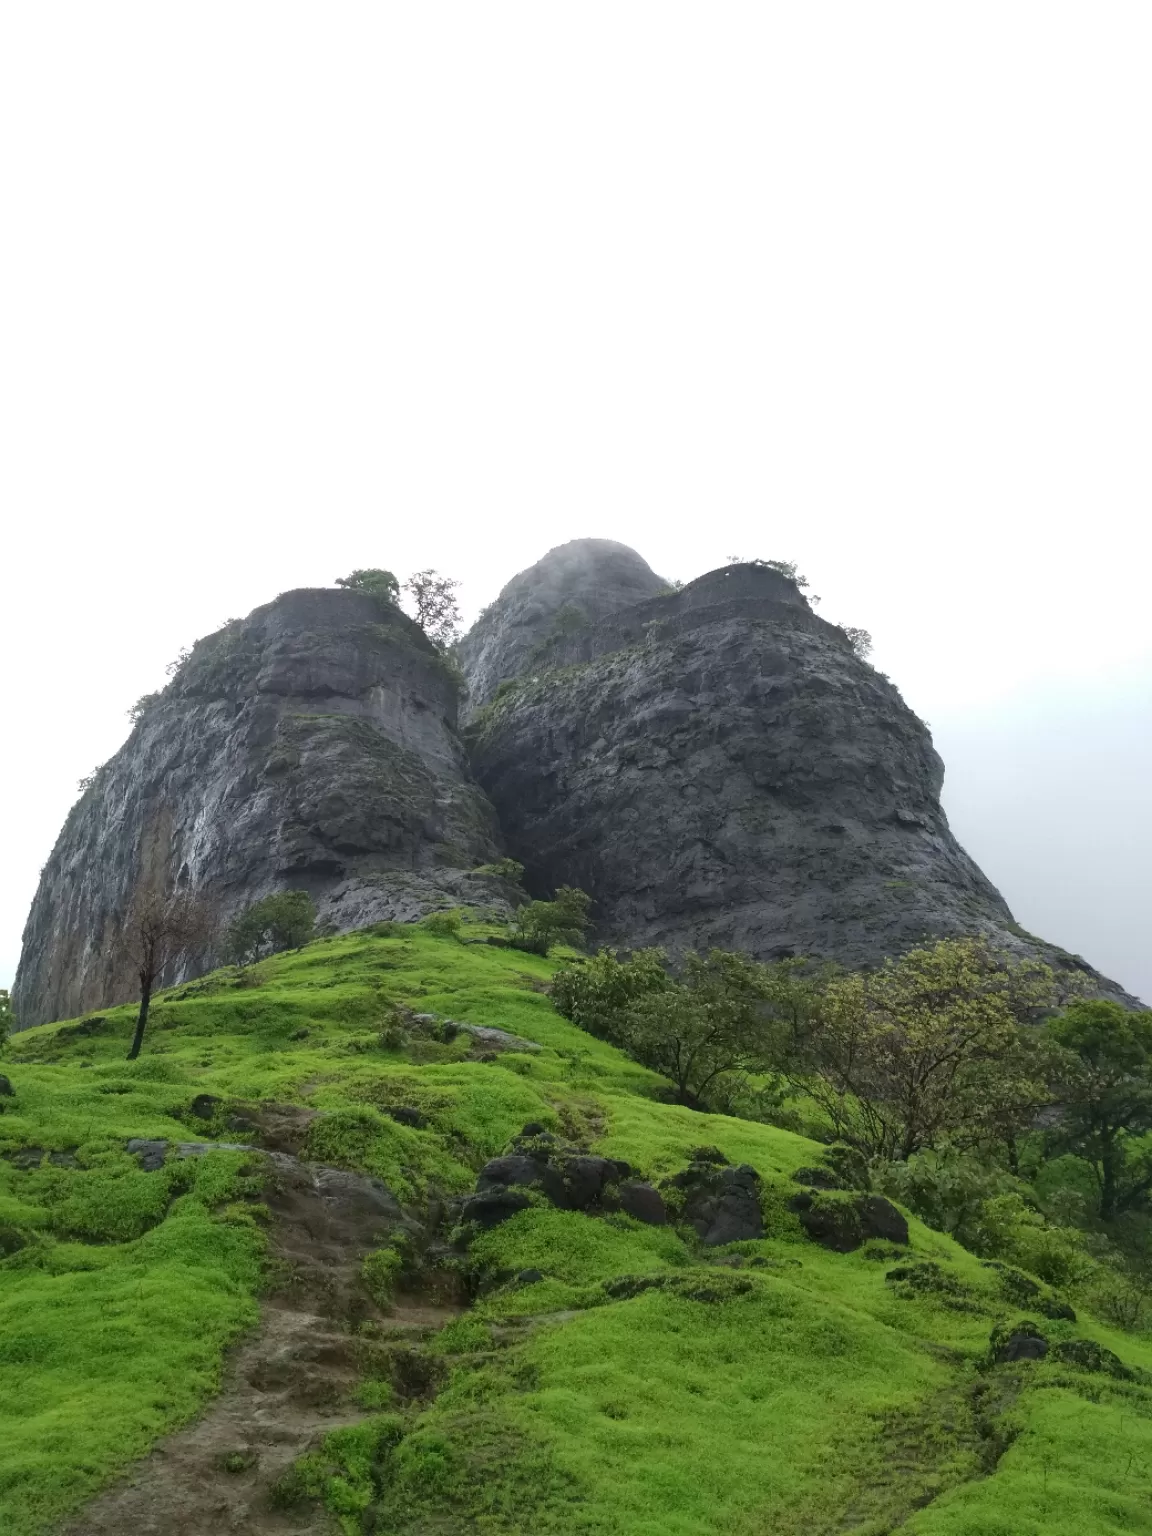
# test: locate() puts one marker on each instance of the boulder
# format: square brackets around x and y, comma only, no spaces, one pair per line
[1087,1355]
[6,1088]
[151,1154]
[204,1106]
[492,1206]
[843,1222]
[583,1181]
[643,1203]
[33,1157]
[723,1204]
[514,1168]
[1018,1341]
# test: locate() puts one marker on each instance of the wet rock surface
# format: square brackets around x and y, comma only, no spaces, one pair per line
[716,766]
[310,746]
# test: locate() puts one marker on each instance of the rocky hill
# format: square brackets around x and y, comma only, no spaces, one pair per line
[715,765]
[310,746]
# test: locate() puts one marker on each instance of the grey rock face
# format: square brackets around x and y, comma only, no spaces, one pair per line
[572,586]
[717,766]
[311,746]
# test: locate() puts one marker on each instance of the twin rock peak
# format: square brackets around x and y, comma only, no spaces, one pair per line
[714,765]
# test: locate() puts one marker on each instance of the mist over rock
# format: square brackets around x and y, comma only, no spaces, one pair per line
[311,746]
[573,584]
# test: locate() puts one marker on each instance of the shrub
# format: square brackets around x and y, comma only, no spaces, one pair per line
[143,704]
[595,993]
[724,1017]
[948,1189]
[445,925]
[286,920]
[1009,1228]
[7,1017]
[540,924]
[381,1271]
[376,583]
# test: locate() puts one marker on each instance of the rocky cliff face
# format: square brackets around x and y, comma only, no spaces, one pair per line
[311,746]
[717,766]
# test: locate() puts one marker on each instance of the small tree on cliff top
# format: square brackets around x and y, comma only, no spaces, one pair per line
[431,599]
[158,931]
[375,583]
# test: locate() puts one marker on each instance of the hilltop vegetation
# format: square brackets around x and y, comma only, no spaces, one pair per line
[605,1377]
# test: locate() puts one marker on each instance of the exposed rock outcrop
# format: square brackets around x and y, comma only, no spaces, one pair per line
[571,587]
[717,766]
[714,765]
[310,746]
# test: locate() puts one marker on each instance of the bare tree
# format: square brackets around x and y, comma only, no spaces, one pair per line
[159,930]
[434,598]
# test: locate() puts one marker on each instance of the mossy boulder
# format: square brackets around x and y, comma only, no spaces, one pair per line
[845,1221]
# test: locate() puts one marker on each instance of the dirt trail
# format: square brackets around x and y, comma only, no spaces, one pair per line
[287,1384]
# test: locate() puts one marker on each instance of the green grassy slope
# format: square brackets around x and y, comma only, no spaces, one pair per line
[773,1387]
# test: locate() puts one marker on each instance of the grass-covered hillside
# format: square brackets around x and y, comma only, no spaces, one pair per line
[603,1376]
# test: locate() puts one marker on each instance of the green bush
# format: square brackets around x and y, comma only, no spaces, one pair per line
[286,920]
[375,582]
[725,1017]
[949,1190]
[445,925]
[595,993]
[541,924]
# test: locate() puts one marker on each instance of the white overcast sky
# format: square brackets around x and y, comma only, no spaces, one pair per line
[287,289]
